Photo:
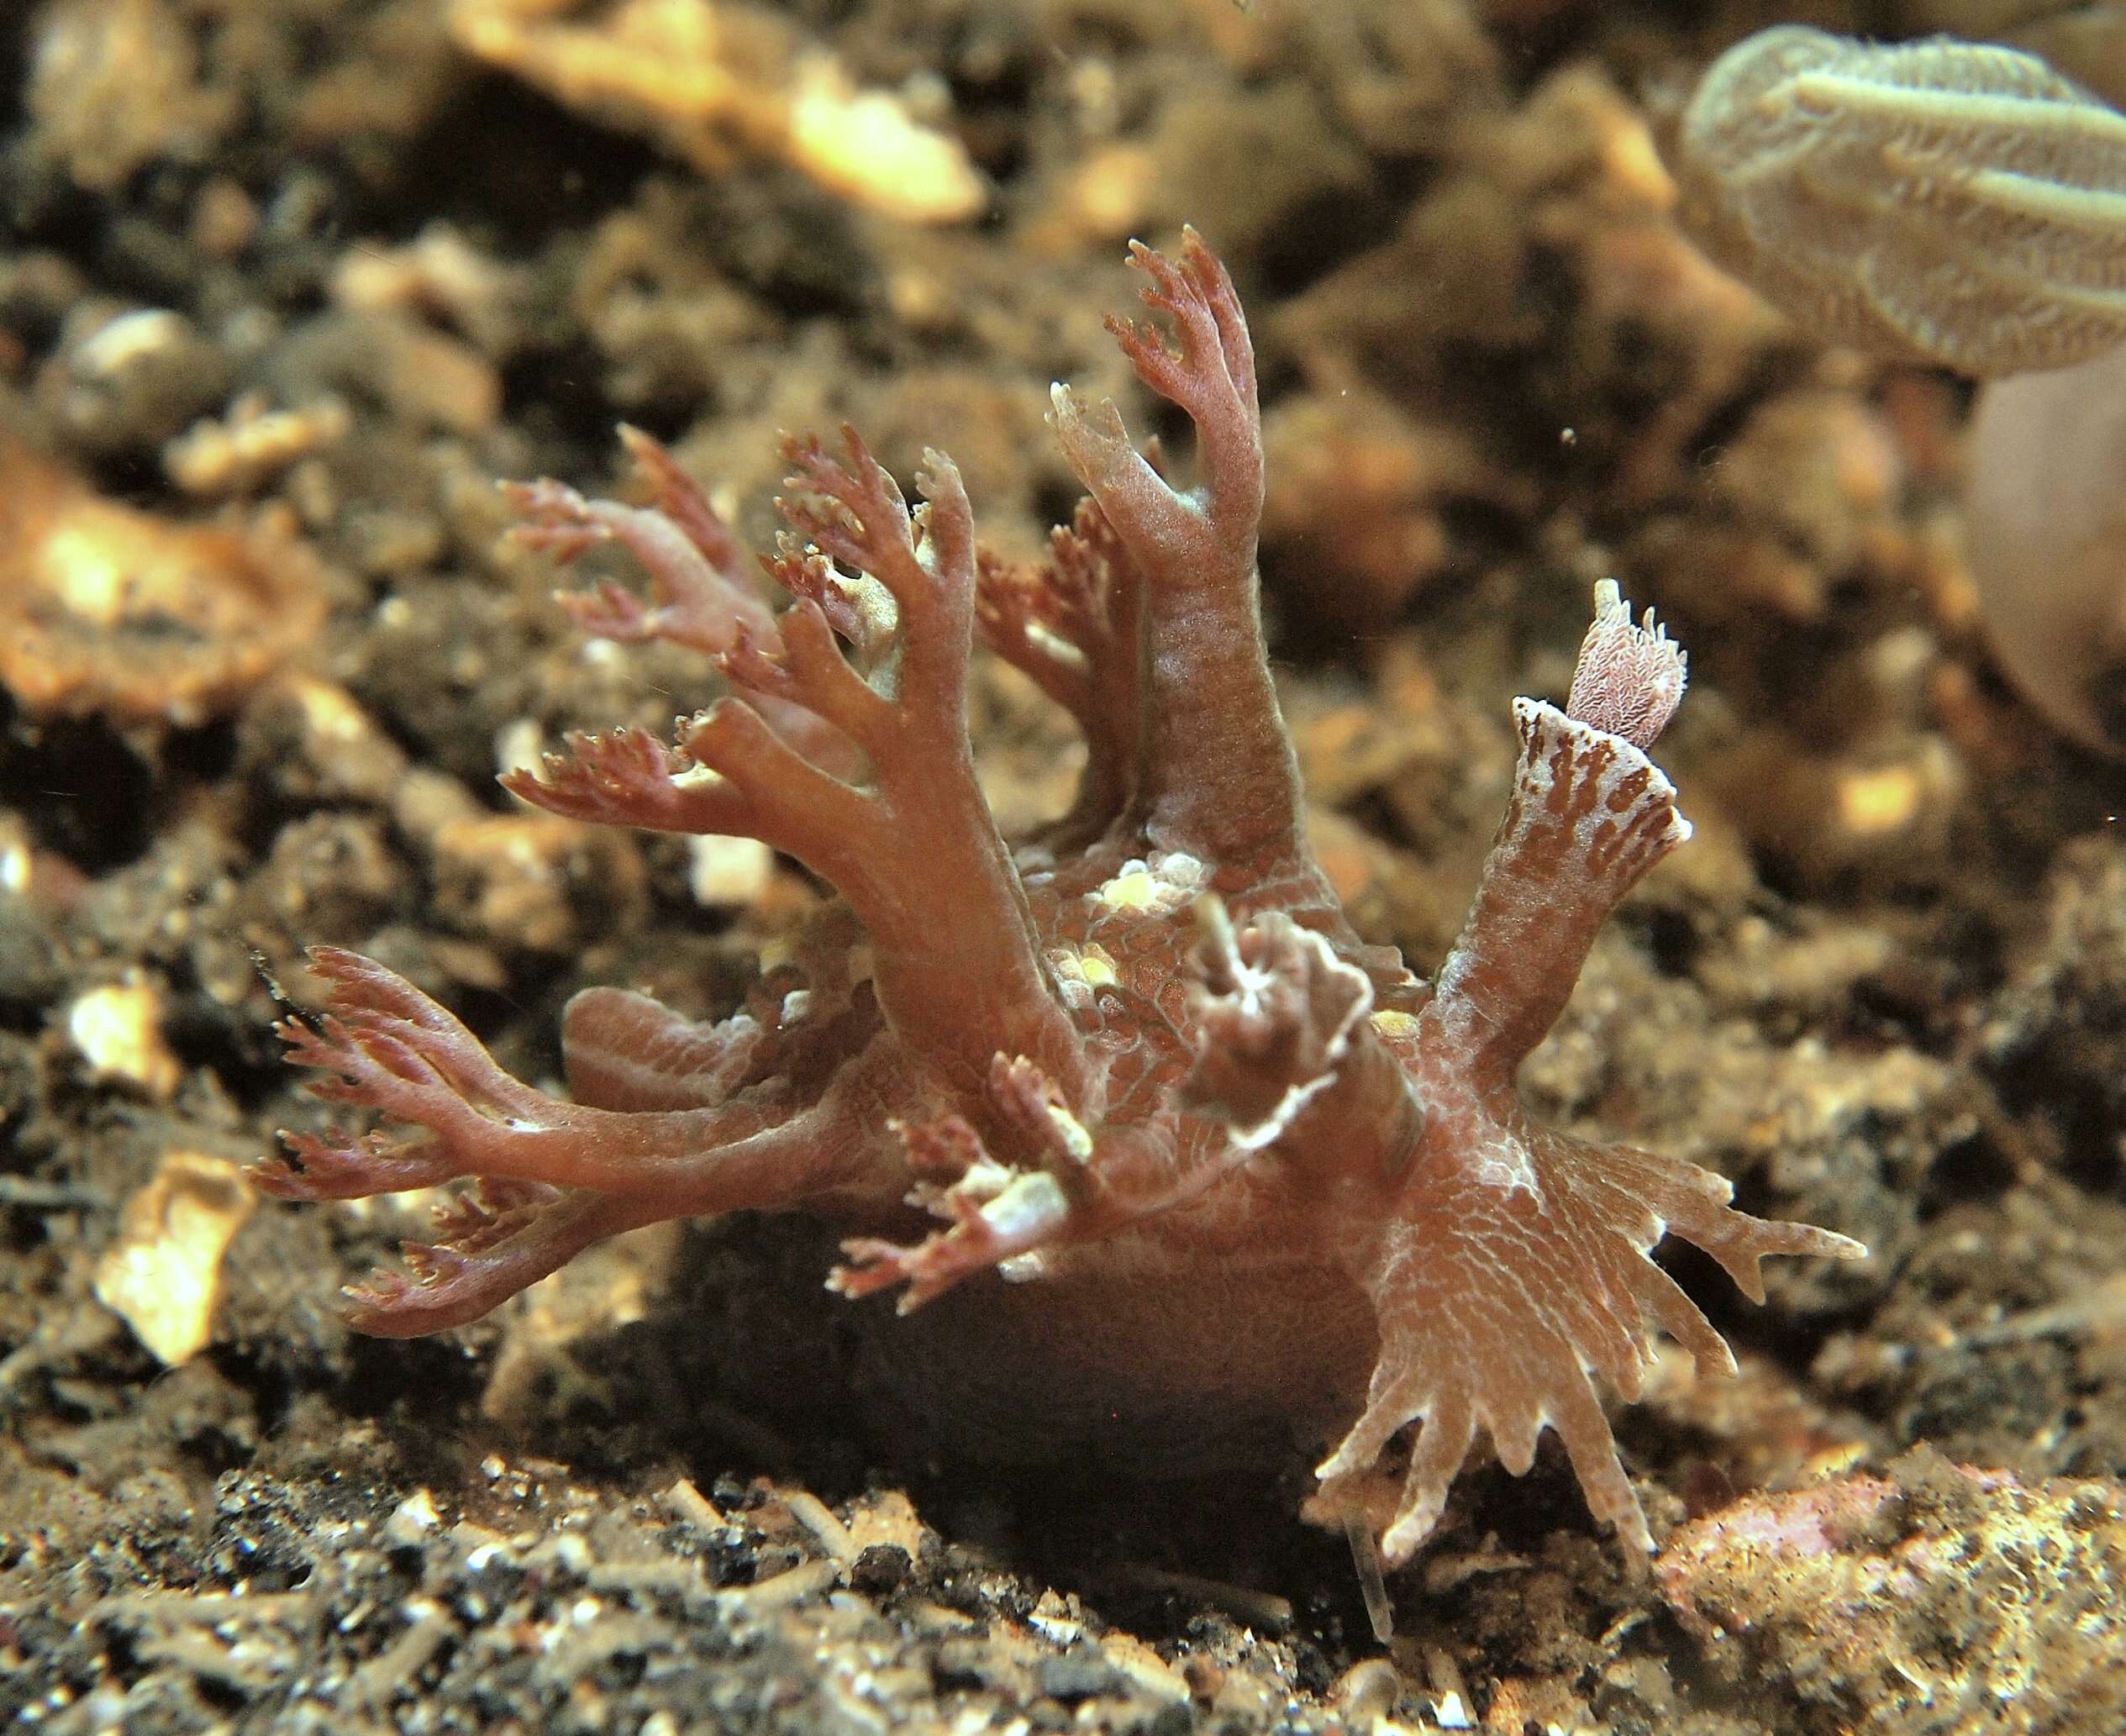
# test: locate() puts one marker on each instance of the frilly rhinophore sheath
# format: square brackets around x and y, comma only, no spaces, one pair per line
[1214,1154]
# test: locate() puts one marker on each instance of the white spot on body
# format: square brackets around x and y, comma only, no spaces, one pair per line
[1079,974]
[1157,887]
[1031,1202]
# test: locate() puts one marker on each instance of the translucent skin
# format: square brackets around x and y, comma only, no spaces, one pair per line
[2045,524]
[1205,1161]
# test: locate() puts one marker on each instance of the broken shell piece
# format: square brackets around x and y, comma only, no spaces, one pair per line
[726,873]
[118,1031]
[163,1274]
[252,445]
[711,81]
[865,146]
[106,609]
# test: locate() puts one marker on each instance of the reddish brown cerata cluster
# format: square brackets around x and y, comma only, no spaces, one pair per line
[1184,1149]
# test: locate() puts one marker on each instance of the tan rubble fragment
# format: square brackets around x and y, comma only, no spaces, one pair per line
[1144,1667]
[115,85]
[225,218]
[1356,496]
[118,1029]
[865,146]
[427,375]
[237,453]
[124,375]
[105,609]
[712,82]
[163,1274]
[1102,198]
[439,276]
[1939,1597]
[1868,811]
[525,878]
[885,1517]
[726,873]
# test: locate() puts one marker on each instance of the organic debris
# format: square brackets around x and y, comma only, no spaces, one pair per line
[1939,1598]
[106,609]
[710,81]
[163,1275]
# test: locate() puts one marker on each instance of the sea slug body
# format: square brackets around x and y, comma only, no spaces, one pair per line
[1140,1064]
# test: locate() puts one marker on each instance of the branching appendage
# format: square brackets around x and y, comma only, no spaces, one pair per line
[693,560]
[552,1176]
[959,973]
[674,1119]
[912,848]
[1588,816]
[995,1211]
[1508,1266]
[1071,625]
[699,575]
[1214,775]
[500,1240]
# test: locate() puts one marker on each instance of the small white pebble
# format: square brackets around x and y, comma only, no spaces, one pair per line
[724,872]
[412,1519]
[118,1030]
[520,746]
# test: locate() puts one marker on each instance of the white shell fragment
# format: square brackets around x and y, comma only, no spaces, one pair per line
[1947,201]
[163,1274]
[728,873]
[118,1029]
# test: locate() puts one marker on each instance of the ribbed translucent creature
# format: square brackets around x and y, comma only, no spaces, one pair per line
[1951,201]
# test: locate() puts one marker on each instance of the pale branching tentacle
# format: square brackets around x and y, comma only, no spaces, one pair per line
[695,564]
